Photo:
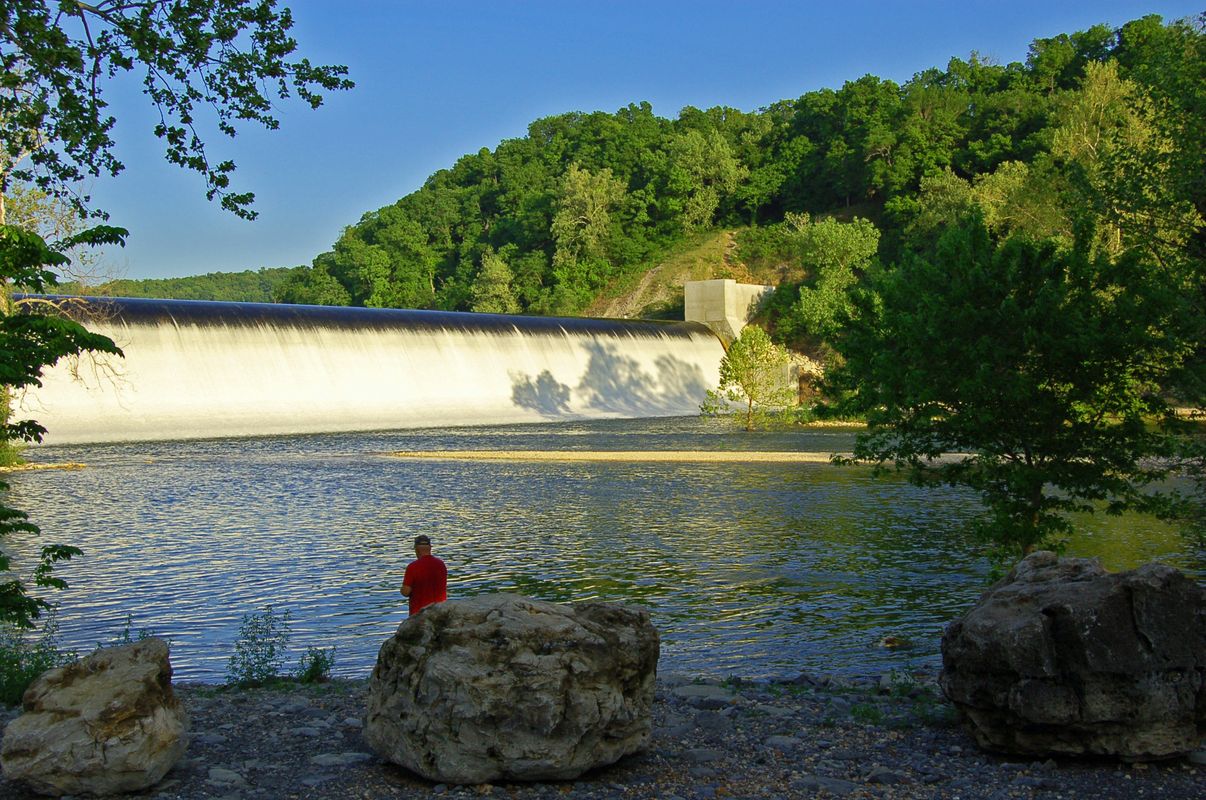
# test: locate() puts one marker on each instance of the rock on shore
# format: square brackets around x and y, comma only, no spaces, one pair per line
[106,724]
[879,737]
[503,687]
[1063,657]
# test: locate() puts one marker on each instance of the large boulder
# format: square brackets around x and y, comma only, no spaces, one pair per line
[106,724]
[1064,658]
[502,687]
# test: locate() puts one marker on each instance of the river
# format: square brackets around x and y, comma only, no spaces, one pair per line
[749,569]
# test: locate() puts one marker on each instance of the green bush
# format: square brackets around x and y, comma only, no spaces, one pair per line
[10,453]
[260,648]
[23,658]
[315,665]
[766,248]
[128,635]
[867,713]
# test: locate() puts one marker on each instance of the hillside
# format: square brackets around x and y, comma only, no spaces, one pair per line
[576,214]
[1090,139]
[248,286]
[657,292]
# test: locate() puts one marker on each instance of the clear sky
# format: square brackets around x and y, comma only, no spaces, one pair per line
[437,79]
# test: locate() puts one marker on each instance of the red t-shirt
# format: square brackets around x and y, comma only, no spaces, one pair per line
[427,578]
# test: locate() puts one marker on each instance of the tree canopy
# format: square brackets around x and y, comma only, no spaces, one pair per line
[1040,368]
[225,60]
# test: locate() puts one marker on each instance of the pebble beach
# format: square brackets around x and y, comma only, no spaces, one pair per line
[813,736]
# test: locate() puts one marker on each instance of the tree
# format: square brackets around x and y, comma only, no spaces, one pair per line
[44,217]
[1014,199]
[703,171]
[313,286]
[1121,157]
[1030,373]
[753,373]
[230,58]
[581,229]
[835,253]
[30,342]
[492,293]
[28,260]
[55,220]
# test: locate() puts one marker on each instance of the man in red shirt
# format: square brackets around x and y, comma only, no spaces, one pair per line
[426,578]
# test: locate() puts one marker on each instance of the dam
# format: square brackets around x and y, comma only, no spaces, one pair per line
[202,369]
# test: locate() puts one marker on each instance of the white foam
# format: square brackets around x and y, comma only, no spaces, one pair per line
[188,377]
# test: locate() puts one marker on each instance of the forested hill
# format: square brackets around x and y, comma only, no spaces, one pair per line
[249,286]
[542,223]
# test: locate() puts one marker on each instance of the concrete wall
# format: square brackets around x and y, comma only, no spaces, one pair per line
[725,306]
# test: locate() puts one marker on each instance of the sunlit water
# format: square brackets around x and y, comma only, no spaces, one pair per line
[748,569]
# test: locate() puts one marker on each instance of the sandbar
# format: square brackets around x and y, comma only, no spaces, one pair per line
[733,456]
[32,466]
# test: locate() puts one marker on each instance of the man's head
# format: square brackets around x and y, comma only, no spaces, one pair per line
[422,544]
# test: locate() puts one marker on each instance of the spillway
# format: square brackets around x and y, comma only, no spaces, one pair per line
[199,369]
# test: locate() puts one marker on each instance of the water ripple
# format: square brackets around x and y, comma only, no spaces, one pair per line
[751,569]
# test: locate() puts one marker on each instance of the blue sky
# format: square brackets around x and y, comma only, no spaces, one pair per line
[436,80]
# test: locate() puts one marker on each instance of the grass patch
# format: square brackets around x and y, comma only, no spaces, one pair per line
[315,665]
[654,289]
[867,713]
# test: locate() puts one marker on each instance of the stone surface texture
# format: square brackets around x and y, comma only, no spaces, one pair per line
[1064,658]
[106,724]
[502,687]
[723,305]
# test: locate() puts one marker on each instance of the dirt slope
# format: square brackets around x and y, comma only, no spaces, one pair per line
[658,293]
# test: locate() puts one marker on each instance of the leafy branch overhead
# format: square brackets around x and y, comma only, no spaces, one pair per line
[200,63]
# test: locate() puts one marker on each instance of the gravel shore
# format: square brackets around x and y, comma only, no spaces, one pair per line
[810,737]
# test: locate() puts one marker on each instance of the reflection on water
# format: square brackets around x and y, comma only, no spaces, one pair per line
[748,569]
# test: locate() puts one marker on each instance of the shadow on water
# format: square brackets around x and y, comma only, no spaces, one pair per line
[615,383]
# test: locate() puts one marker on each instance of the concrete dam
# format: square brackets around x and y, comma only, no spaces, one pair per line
[200,369]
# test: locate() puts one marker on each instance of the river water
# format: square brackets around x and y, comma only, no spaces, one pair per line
[755,570]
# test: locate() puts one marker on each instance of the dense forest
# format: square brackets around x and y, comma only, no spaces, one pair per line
[249,286]
[1098,130]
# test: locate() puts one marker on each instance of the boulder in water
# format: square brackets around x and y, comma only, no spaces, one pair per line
[1064,658]
[502,687]
[106,724]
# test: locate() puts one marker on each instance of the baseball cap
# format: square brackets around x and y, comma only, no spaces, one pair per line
[422,539]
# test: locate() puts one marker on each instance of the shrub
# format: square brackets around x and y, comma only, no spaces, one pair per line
[260,648]
[767,248]
[128,635]
[315,665]
[867,713]
[23,658]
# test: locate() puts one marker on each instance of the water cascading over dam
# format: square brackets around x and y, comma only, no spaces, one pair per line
[197,369]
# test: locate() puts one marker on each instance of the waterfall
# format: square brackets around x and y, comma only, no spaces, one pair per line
[199,369]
